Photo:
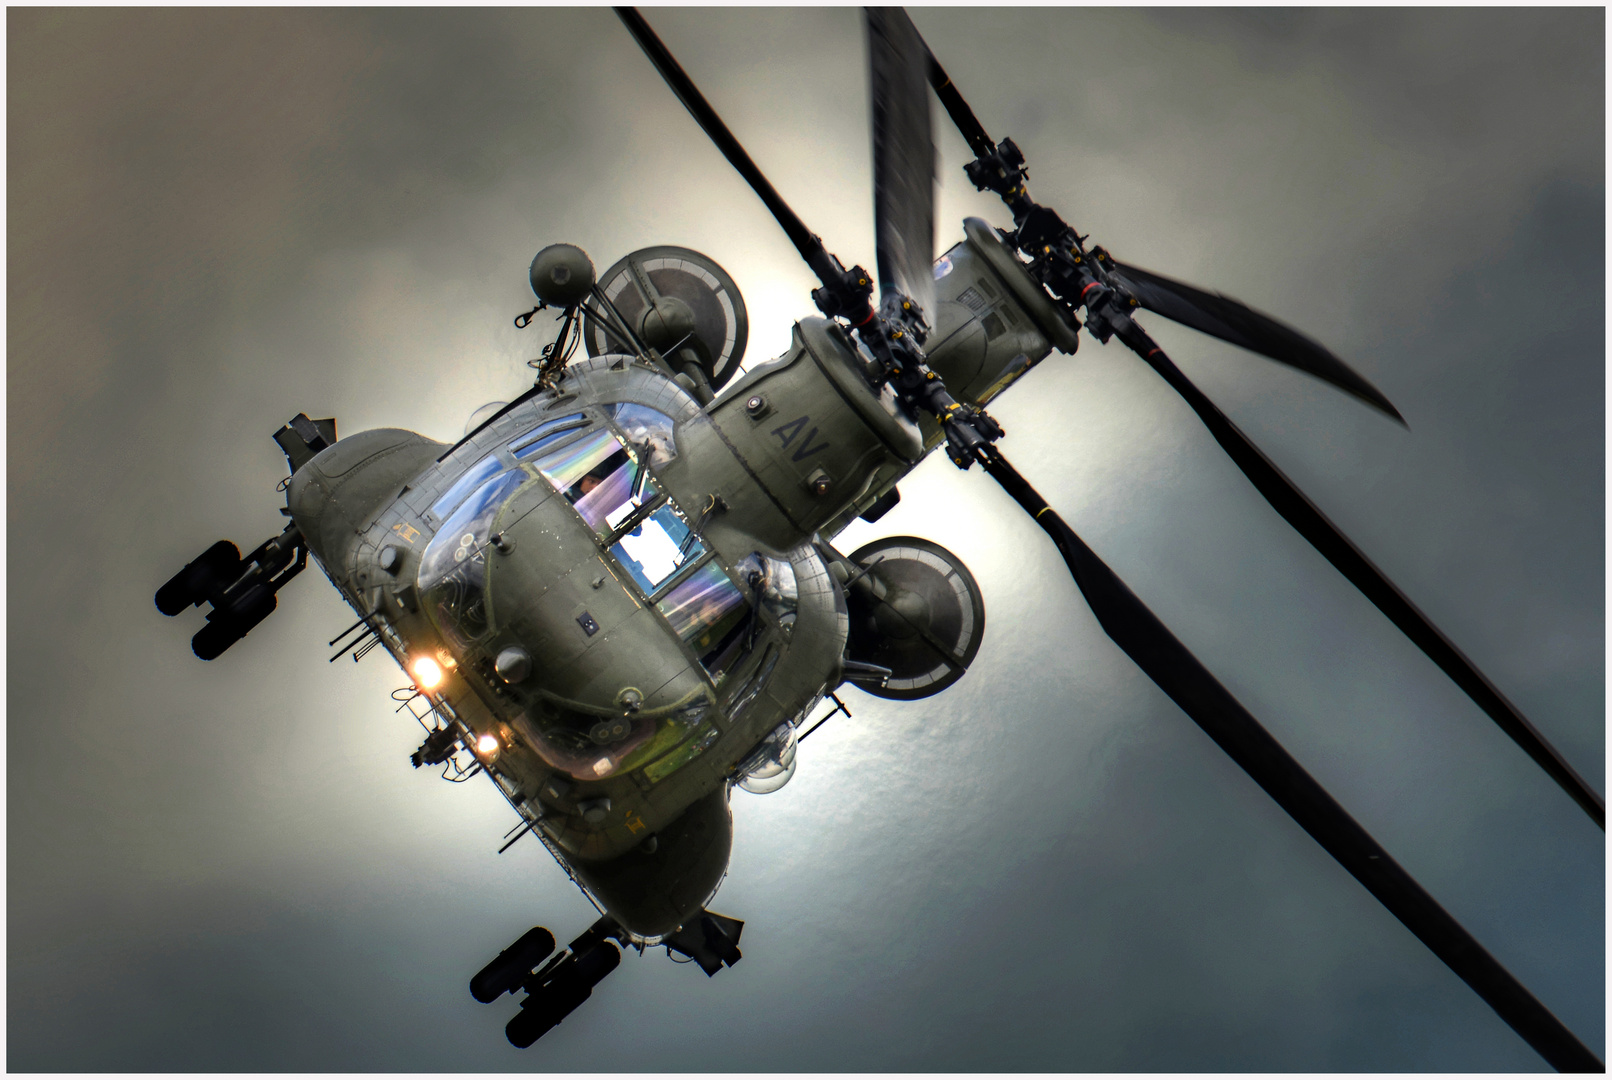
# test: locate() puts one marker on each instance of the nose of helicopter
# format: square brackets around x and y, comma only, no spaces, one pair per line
[593,642]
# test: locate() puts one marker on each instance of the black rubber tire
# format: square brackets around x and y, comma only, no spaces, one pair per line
[508,970]
[225,630]
[214,568]
[214,639]
[544,1011]
[573,984]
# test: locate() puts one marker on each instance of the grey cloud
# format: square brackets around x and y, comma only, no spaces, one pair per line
[219,218]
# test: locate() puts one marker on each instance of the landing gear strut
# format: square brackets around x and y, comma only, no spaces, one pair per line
[559,986]
[554,990]
[241,591]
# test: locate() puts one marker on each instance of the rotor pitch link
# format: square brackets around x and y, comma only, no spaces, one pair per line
[1166,661]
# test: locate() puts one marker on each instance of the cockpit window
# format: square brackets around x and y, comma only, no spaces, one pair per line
[601,478]
[648,431]
[657,547]
[545,435]
[453,570]
[611,488]
[473,478]
[709,613]
[565,468]
[606,503]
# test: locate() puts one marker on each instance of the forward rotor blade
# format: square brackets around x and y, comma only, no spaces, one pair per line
[805,241]
[903,157]
[1308,520]
[967,123]
[1178,673]
[1231,320]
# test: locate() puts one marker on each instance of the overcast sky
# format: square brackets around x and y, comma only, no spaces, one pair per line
[219,219]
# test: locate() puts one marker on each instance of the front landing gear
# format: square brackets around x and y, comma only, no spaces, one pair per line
[241,591]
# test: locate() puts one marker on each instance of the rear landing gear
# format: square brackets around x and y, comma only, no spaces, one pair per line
[567,979]
[513,966]
[555,994]
[559,986]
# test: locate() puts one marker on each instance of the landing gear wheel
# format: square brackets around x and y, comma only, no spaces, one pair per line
[571,985]
[509,968]
[212,570]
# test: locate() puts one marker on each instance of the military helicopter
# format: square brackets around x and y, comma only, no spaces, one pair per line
[512,574]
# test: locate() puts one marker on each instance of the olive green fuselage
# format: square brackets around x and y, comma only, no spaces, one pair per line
[626,593]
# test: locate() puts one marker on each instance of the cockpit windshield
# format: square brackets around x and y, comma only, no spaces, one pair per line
[474,477]
[657,547]
[601,478]
[453,570]
[709,613]
[609,484]
[604,469]
[648,431]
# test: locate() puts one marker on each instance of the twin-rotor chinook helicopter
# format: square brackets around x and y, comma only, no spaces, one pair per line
[617,595]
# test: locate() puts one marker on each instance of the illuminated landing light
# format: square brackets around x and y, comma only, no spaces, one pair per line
[487,745]
[427,673]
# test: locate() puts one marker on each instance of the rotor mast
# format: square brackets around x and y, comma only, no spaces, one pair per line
[893,333]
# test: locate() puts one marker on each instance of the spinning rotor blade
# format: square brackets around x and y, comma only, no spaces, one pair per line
[806,242]
[1178,673]
[1231,320]
[1211,313]
[1308,520]
[903,157]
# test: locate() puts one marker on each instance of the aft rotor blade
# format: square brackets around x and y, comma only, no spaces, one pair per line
[1228,319]
[1211,313]
[1305,517]
[1231,320]
[903,157]
[805,241]
[1178,673]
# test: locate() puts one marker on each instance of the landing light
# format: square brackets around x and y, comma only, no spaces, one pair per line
[427,673]
[487,745]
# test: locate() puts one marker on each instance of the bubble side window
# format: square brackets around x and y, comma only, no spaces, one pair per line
[474,477]
[453,568]
[545,435]
[710,614]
